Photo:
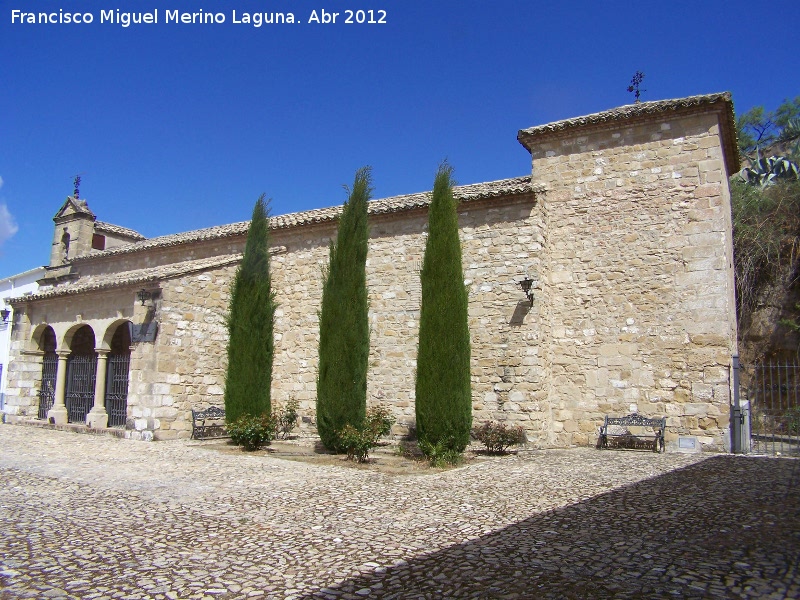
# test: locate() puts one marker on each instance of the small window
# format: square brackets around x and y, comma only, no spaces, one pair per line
[98,242]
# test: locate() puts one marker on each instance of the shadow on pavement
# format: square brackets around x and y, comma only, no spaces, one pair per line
[725,527]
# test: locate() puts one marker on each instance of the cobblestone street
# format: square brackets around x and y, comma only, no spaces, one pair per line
[87,516]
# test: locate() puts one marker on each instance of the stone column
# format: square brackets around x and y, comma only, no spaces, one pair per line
[98,417]
[58,414]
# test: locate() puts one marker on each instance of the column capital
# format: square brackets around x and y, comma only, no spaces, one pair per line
[102,352]
[63,354]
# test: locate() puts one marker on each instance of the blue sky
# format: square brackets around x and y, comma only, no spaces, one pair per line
[181,126]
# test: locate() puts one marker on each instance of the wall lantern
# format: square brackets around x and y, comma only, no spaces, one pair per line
[145,295]
[526,284]
[5,314]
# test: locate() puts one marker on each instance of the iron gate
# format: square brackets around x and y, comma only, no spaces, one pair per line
[117,389]
[774,397]
[47,393]
[81,372]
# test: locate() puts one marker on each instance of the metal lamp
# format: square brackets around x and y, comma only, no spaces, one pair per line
[143,295]
[526,284]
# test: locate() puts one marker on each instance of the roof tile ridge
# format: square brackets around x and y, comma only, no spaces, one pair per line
[471,191]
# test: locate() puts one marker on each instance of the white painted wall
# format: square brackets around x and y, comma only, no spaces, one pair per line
[13,287]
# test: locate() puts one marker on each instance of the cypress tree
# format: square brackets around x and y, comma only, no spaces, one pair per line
[443,395]
[251,320]
[343,321]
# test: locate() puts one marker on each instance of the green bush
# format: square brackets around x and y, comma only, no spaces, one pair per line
[252,432]
[358,441]
[443,453]
[379,420]
[443,395]
[498,437]
[343,321]
[285,419]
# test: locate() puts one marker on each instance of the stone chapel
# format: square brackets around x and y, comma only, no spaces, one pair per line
[623,226]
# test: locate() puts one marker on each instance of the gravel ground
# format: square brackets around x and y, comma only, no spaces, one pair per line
[87,516]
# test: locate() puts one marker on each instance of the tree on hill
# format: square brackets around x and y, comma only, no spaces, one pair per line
[759,130]
[251,319]
[343,321]
[443,393]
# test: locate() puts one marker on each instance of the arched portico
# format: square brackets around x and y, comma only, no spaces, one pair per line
[85,372]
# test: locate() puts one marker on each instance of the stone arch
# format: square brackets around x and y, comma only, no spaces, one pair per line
[44,338]
[80,339]
[116,333]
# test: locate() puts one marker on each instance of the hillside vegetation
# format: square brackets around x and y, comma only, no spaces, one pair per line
[766,230]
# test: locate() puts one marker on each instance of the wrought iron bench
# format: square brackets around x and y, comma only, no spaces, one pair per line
[208,423]
[617,429]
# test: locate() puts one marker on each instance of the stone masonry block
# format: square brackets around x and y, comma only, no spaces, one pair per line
[702,391]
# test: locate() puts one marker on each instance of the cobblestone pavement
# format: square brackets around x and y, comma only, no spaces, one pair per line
[86,516]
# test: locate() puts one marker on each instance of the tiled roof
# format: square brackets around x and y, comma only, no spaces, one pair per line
[464,193]
[90,283]
[643,110]
[117,230]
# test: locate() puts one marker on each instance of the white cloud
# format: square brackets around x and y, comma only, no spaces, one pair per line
[8,226]
[1,182]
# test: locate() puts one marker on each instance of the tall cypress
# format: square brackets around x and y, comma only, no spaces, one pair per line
[343,321]
[251,321]
[443,395]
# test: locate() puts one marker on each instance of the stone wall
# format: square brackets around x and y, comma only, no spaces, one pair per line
[639,278]
[185,367]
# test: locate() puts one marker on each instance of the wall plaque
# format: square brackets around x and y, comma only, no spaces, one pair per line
[144,332]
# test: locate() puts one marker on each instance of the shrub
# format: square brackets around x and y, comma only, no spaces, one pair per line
[379,420]
[443,395]
[766,235]
[343,321]
[251,319]
[443,453]
[498,437]
[285,419]
[358,441]
[252,432]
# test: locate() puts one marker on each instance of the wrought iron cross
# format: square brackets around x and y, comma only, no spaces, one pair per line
[635,83]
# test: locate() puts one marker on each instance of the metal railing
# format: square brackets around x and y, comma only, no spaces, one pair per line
[47,392]
[117,389]
[774,398]
[79,397]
